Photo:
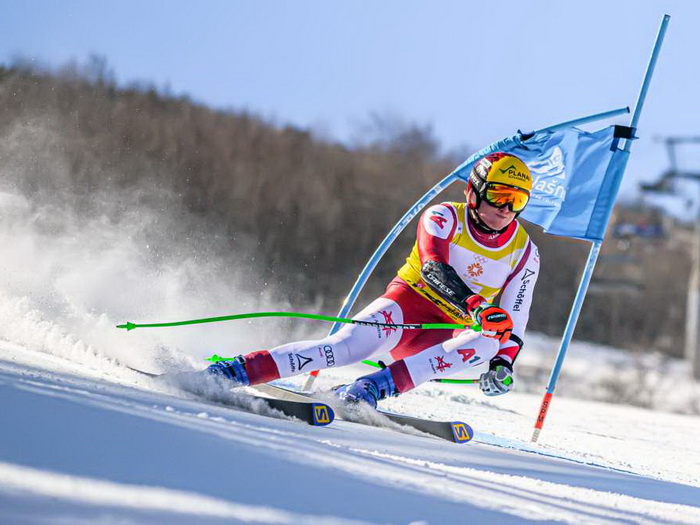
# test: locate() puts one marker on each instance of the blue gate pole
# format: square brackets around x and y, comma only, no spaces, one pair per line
[457,174]
[595,248]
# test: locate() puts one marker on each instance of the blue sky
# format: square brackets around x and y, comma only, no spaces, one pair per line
[475,72]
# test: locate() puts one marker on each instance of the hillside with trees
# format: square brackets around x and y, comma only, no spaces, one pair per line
[298,213]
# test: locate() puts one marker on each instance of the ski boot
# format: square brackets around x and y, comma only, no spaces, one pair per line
[368,389]
[233,370]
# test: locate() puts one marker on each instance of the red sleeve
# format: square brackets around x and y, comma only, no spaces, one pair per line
[509,352]
[436,229]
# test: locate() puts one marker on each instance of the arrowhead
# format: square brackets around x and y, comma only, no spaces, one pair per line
[128,326]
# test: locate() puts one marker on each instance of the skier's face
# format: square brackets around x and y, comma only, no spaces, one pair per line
[495,218]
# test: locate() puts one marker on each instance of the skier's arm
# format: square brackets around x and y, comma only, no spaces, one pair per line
[436,229]
[443,279]
[516,299]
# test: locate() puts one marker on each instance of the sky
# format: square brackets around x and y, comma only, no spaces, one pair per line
[474,72]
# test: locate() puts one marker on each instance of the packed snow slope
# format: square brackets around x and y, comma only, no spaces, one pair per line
[86,444]
[85,440]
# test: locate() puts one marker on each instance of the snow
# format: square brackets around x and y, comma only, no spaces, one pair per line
[83,439]
[106,445]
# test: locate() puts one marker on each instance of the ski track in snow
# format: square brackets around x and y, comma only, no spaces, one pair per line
[91,446]
[37,483]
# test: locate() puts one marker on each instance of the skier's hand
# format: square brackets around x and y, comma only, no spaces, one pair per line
[499,379]
[495,322]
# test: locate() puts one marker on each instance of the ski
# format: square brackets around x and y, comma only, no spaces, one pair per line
[455,431]
[310,411]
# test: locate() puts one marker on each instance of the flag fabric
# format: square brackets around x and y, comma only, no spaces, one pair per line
[575,175]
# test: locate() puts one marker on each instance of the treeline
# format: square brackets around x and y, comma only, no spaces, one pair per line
[303,212]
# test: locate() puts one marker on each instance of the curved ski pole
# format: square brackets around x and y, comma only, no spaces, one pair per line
[414,326]
[216,358]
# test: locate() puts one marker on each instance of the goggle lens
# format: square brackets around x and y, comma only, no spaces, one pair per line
[500,195]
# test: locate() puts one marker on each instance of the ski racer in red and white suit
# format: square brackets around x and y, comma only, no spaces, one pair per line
[472,263]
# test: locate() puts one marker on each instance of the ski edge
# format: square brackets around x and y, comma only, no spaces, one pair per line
[454,431]
[309,411]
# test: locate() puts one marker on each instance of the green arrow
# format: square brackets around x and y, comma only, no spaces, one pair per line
[217,358]
[424,326]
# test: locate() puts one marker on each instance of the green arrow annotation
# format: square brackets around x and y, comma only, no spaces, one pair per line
[217,358]
[424,326]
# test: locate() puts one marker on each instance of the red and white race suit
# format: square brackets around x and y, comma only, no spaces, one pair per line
[503,268]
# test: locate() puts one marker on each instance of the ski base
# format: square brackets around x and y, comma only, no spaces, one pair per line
[455,431]
[311,412]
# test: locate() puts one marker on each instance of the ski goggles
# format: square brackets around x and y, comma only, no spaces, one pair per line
[500,195]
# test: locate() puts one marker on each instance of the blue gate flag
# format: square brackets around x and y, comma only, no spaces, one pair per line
[575,175]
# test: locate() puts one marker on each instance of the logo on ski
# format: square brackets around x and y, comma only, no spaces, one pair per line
[322,415]
[303,361]
[462,432]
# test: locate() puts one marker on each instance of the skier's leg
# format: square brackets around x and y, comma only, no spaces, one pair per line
[466,350]
[350,344]
[416,310]
[455,355]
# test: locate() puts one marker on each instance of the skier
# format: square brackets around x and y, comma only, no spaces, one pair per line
[472,263]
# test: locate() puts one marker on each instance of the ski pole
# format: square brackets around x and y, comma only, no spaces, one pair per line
[410,326]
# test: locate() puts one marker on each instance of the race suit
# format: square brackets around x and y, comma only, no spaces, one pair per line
[502,268]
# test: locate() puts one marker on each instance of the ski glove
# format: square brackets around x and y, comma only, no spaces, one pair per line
[499,379]
[495,321]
